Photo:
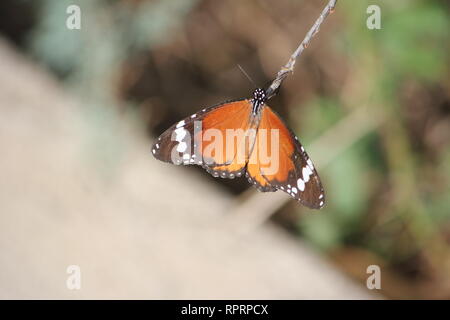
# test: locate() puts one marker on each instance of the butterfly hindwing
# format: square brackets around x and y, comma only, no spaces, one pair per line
[294,172]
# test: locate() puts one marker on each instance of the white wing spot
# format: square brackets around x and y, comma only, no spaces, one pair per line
[180,134]
[180,124]
[306,172]
[300,184]
[154,151]
[294,190]
[194,115]
[182,146]
[321,196]
[321,203]
[310,164]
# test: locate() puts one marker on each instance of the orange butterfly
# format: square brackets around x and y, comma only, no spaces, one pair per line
[244,137]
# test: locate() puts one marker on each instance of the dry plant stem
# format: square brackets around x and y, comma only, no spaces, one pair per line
[289,66]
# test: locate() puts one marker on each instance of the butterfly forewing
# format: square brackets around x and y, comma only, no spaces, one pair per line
[202,139]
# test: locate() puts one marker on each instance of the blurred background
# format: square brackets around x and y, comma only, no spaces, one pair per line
[80,109]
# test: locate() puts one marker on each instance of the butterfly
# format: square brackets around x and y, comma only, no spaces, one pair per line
[244,138]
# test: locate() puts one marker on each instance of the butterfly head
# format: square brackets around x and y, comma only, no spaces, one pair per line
[259,98]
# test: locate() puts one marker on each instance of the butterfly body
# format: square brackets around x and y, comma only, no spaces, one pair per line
[244,137]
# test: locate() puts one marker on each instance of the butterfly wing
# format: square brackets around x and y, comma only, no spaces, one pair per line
[290,168]
[202,139]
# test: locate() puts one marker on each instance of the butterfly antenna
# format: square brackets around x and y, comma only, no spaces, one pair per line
[246,74]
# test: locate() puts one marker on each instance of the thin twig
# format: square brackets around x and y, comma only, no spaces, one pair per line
[289,66]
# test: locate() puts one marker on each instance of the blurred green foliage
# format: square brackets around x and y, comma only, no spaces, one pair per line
[412,46]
